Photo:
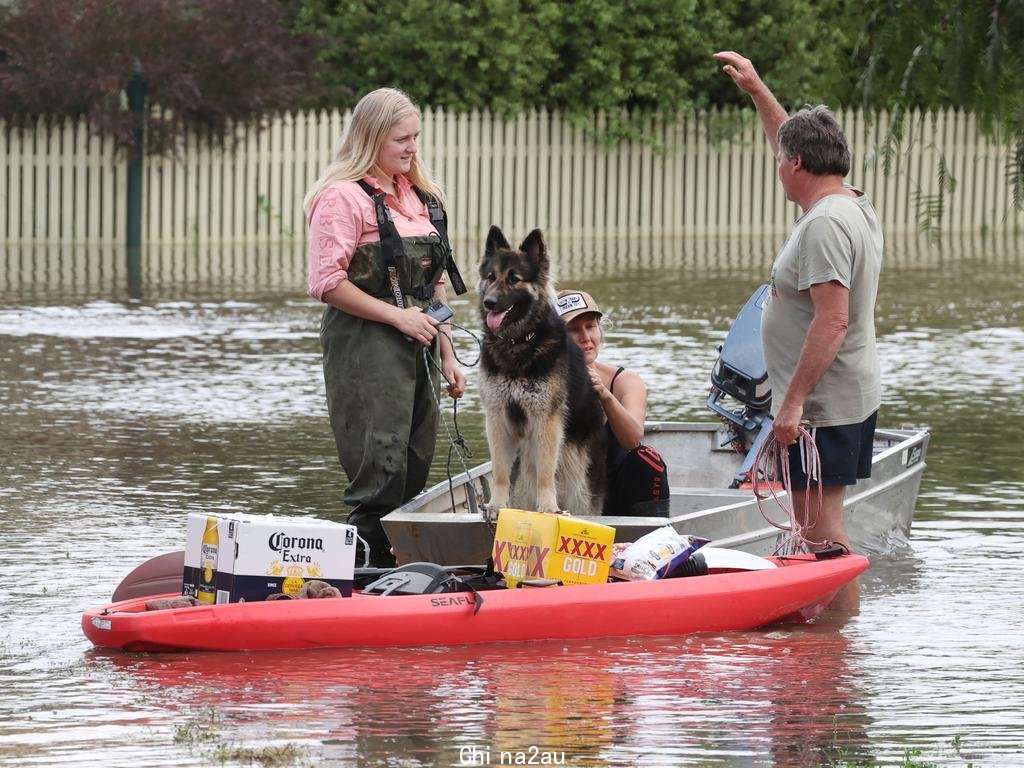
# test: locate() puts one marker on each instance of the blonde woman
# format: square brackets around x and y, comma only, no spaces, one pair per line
[378,249]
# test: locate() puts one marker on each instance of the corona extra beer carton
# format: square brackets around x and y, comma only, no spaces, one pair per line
[534,545]
[236,557]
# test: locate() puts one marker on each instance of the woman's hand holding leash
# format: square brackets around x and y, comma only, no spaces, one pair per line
[456,378]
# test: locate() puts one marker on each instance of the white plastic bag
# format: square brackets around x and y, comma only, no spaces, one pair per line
[654,555]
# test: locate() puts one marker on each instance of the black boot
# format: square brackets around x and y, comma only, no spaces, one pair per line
[367,522]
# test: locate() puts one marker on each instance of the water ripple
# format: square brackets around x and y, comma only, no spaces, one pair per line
[120,418]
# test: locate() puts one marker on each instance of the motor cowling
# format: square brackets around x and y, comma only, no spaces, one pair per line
[740,370]
[740,373]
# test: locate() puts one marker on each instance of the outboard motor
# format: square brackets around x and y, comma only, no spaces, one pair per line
[741,374]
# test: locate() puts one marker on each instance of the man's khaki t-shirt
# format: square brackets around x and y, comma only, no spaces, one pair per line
[838,239]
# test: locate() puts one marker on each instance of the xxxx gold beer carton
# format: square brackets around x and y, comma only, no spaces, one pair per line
[533,545]
[237,557]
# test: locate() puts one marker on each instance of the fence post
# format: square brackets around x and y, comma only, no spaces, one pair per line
[136,92]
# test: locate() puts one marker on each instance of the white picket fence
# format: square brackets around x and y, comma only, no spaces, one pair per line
[59,184]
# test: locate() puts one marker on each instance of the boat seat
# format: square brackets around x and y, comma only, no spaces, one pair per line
[414,579]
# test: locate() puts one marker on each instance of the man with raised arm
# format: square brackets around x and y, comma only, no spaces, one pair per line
[818,327]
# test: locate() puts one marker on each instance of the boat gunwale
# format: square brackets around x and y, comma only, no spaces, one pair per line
[905,439]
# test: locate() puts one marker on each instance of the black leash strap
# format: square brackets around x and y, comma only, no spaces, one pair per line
[458,441]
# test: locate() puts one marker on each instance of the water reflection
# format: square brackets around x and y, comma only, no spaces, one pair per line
[59,272]
[790,696]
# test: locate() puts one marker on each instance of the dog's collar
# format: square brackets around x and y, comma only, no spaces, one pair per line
[513,342]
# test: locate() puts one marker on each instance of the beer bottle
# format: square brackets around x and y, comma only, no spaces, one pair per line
[207,591]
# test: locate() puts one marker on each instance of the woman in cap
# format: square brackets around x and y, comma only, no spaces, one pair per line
[637,477]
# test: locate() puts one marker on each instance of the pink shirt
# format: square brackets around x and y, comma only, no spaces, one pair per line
[343,218]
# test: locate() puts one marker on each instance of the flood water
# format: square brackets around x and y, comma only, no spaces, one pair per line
[120,416]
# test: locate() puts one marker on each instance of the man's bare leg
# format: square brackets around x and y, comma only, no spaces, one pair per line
[827,526]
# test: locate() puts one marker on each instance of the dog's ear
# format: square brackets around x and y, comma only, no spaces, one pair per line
[496,241]
[533,246]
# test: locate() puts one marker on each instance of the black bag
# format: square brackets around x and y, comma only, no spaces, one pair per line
[638,485]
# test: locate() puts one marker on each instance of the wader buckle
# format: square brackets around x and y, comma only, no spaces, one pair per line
[423,292]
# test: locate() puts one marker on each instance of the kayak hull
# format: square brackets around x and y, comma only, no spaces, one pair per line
[797,589]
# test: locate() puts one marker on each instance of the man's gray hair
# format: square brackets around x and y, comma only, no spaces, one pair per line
[814,134]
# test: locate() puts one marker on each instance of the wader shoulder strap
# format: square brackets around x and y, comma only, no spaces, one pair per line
[390,243]
[439,218]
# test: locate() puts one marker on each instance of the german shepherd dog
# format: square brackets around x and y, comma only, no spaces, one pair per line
[545,425]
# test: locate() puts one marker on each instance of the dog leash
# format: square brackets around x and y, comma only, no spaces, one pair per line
[458,442]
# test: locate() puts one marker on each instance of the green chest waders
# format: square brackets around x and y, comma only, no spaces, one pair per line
[379,395]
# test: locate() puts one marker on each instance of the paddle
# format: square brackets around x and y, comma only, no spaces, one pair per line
[157,576]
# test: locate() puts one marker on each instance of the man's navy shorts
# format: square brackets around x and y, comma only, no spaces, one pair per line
[845,453]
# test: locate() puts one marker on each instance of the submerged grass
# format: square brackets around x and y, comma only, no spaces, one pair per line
[202,733]
[837,756]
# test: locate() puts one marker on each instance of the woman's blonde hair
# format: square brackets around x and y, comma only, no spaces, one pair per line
[375,114]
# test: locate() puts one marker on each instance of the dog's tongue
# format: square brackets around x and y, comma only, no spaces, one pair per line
[494,319]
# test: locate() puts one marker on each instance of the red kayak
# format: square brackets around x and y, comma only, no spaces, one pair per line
[796,590]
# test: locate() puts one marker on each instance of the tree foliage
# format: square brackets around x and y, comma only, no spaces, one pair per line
[216,62]
[457,55]
[940,53]
[577,57]
[205,61]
